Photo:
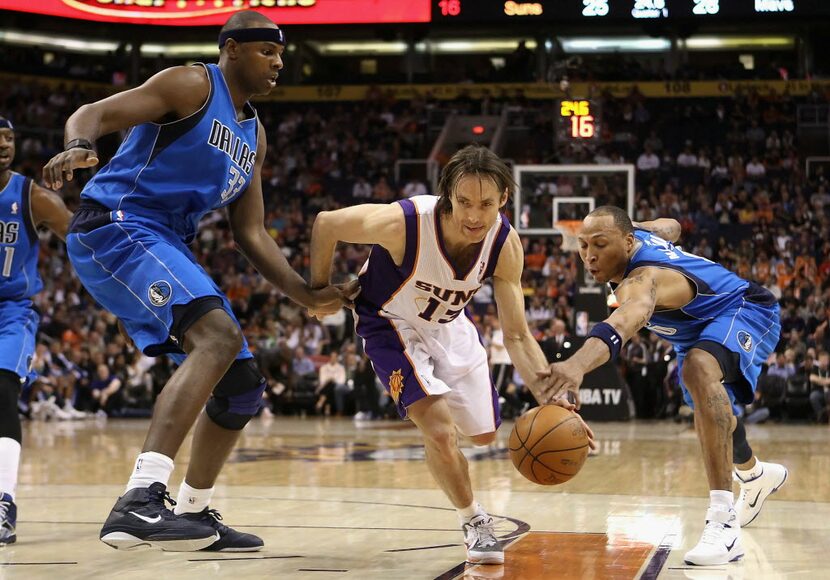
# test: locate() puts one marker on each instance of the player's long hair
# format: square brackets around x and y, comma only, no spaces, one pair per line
[473,160]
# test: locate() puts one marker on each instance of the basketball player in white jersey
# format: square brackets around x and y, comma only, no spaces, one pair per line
[430,255]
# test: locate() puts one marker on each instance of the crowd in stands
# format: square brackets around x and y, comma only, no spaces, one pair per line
[728,169]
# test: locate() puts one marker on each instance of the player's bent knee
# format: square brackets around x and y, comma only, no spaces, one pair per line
[238,396]
[216,331]
[9,392]
[483,439]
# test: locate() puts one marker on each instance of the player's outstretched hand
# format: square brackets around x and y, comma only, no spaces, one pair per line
[557,380]
[62,165]
[566,404]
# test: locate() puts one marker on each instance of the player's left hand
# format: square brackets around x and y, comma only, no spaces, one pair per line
[559,379]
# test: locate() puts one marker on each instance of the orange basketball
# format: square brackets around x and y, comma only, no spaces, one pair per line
[548,445]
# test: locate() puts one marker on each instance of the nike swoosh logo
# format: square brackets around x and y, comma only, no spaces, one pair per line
[753,502]
[729,547]
[154,520]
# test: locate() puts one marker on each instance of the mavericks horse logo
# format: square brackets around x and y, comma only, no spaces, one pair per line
[745,340]
[396,384]
[159,293]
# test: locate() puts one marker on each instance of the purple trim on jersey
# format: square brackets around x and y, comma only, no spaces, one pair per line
[494,392]
[382,277]
[410,214]
[383,346]
[495,250]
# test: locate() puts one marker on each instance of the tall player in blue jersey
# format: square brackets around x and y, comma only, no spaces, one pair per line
[24,206]
[722,328]
[195,144]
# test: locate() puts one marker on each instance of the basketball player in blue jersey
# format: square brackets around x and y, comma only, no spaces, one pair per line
[430,255]
[722,328]
[194,145]
[24,206]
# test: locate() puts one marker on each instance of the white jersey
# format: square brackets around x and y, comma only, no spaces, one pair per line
[426,290]
[413,322]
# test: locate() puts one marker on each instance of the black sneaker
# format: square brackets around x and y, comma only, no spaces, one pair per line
[140,518]
[8,520]
[229,539]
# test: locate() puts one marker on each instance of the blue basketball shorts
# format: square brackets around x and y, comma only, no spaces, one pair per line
[145,275]
[17,336]
[741,340]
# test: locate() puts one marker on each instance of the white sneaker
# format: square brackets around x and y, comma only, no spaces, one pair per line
[721,541]
[755,491]
[73,412]
[481,542]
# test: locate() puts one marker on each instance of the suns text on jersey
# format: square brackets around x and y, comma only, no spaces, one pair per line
[448,295]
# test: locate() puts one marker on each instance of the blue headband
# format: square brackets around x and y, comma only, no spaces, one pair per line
[6,124]
[253,35]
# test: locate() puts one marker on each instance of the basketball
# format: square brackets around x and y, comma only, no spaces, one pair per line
[548,445]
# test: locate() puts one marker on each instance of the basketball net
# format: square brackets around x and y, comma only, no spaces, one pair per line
[569,230]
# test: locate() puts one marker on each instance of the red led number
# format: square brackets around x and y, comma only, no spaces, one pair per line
[450,7]
[582,127]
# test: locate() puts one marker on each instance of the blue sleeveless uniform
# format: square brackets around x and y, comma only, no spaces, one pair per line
[19,278]
[127,242]
[734,320]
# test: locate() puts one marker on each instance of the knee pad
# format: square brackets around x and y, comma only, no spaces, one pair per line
[9,393]
[741,451]
[238,396]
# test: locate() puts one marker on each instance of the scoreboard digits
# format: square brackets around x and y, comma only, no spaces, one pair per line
[579,116]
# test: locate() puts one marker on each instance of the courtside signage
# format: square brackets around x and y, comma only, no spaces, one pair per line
[216,12]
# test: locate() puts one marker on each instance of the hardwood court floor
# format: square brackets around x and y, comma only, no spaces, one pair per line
[334,500]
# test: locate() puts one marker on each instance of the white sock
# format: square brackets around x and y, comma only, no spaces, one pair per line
[721,500]
[469,512]
[750,473]
[150,467]
[9,463]
[191,500]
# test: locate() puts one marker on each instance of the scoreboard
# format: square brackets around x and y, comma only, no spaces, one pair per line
[623,10]
[578,120]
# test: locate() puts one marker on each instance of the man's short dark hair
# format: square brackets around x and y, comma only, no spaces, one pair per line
[473,160]
[621,220]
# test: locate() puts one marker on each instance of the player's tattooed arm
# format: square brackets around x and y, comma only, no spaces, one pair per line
[667,228]
[637,295]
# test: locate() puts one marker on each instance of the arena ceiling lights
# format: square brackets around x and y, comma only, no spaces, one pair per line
[629,44]
[457,46]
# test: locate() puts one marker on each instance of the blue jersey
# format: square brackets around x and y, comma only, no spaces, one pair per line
[19,278]
[717,290]
[174,173]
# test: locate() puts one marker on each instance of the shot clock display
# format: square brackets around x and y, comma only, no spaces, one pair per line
[579,120]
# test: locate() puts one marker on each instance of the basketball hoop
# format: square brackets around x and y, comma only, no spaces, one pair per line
[569,230]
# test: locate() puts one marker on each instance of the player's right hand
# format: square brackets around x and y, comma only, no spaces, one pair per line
[565,403]
[62,165]
[557,381]
[329,300]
